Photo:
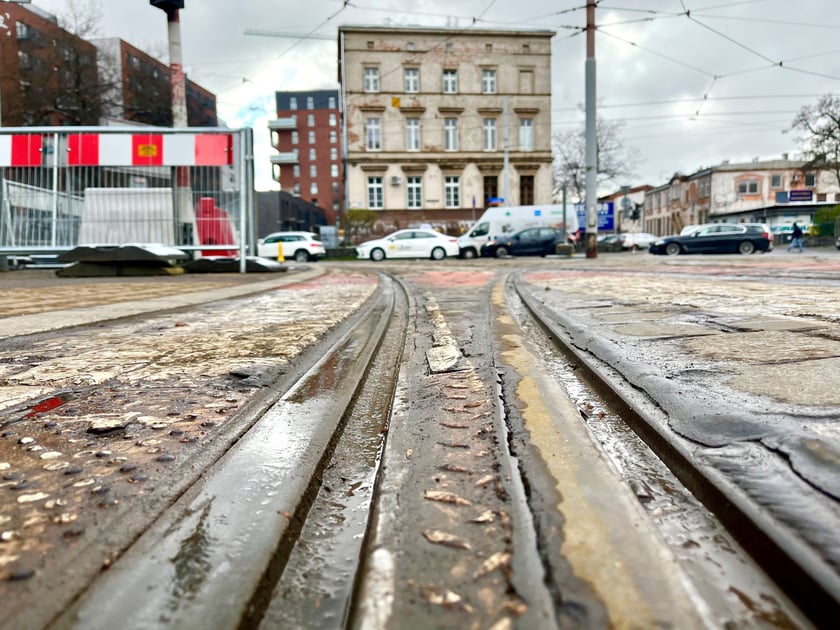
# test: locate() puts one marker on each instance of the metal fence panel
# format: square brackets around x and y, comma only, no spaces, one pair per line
[188,188]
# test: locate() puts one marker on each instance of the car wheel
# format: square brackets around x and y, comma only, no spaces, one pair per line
[470,253]
[672,249]
[377,255]
[438,253]
[501,252]
[746,247]
[301,255]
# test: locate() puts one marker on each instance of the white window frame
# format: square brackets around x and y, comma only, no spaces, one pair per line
[295,137]
[311,136]
[310,102]
[312,157]
[450,81]
[332,119]
[333,136]
[748,187]
[292,102]
[333,170]
[450,134]
[810,179]
[371,79]
[452,191]
[310,120]
[296,171]
[331,102]
[775,181]
[488,81]
[526,134]
[333,153]
[490,135]
[313,188]
[414,192]
[313,170]
[373,133]
[412,80]
[412,134]
[375,192]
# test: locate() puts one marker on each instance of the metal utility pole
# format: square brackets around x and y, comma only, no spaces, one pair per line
[185,227]
[506,162]
[591,138]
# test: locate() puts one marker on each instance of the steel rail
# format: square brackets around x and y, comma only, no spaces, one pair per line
[795,567]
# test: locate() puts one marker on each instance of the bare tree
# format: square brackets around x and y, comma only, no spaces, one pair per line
[614,160]
[820,126]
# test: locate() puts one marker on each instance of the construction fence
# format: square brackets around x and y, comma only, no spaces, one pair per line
[191,188]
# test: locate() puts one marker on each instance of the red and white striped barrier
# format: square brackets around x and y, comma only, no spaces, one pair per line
[116,149]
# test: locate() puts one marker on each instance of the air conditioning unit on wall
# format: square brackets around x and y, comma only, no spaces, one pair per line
[396,180]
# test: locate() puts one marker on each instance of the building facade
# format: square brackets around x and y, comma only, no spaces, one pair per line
[776,192]
[307,136]
[441,123]
[139,88]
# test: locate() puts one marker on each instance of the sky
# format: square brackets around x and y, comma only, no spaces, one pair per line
[691,82]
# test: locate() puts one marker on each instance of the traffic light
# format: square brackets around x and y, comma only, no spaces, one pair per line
[636,212]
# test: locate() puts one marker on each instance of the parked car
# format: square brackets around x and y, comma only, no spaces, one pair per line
[639,240]
[718,238]
[535,241]
[837,243]
[409,244]
[298,246]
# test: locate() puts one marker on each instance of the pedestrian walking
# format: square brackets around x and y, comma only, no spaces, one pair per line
[796,240]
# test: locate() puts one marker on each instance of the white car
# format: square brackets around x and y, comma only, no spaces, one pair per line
[639,240]
[409,244]
[298,246]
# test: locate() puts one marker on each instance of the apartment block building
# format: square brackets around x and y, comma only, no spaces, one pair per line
[139,89]
[307,136]
[776,192]
[440,123]
[52,77]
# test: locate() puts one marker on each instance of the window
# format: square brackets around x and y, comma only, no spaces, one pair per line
[296,171]
[333,153]
[335,187]
[292,102]
[412,80]
[371,79]
[333,137]
[375,191]
[331,102]
[312,154]
[412,134]
[333,170]
[810,179]
[313,170]
[526,134]
[332,120]
[776,181]
[748,188]
[311,137]
[491,189]
[488,81]
[296,188]
[489,134]
[526,190]
[310,102]
[23,30]
[313,188]
[450,134]
[452,191]
[450,81]
[414,186]
[310,120]
[373,134]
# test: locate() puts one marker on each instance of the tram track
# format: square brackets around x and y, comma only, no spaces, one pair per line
[800,573]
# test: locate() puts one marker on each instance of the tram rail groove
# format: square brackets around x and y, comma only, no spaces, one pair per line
[804,577]
[203,560]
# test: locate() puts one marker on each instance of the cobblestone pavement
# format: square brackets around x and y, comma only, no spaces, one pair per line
[95,421]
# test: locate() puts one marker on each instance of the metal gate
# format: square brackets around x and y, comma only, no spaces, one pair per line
[190,188]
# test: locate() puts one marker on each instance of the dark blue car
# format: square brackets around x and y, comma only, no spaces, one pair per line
[536,241]
[719,238]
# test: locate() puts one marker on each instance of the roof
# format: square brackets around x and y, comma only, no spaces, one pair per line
[465,31]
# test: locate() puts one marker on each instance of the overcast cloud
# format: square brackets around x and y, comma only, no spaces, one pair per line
[697,82]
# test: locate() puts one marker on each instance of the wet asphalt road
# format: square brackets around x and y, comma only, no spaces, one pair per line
[670,316]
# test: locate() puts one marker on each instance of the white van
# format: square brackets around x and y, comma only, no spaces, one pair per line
[501,221]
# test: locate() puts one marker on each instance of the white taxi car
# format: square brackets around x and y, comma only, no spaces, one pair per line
[409,243]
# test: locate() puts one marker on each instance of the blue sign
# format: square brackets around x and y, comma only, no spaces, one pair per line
[537,213]
[800,195]
[606,215]
[496,200]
